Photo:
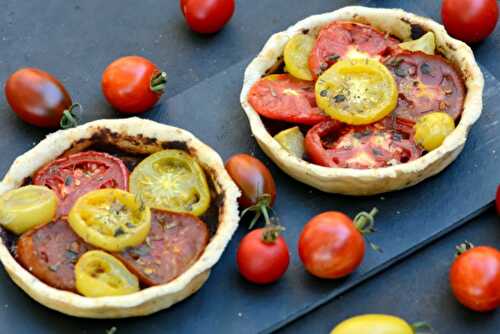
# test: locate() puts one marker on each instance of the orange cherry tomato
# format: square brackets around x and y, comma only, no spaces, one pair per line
[133,84]
[332,245]
[475,278]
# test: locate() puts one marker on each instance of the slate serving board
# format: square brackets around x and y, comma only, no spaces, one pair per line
[210,109]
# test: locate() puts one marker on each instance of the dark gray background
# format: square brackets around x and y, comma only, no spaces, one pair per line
[75,40]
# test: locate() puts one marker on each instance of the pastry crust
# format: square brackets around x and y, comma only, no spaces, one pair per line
[378,180]
[138,136]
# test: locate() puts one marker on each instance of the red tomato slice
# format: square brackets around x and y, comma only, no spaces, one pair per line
[284,98]
[333,144]
[337,39]
[426,84]
[75,175]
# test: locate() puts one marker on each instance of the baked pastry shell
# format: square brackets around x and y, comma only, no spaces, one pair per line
[360,182]
[139,136]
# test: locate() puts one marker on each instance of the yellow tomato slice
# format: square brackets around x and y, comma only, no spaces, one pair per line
[296,55]
[357,91]
[27,207]
[171,180]
[292,140]
[373,323]
[111,219]
[432,129]
[426,44]
[98,274]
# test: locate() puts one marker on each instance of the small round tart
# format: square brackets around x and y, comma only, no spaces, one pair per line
[361,32]
[134,137]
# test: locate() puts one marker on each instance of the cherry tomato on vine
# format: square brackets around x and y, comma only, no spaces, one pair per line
[256,184]
[207,16]
[263,255]
[331,245]
[133,84]
[470,20]
[475,277]
[38,98]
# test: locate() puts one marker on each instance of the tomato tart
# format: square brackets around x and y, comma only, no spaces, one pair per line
[362,101]
[115,218]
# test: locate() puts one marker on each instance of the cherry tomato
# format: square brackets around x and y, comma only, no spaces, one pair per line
[263,256]
[475,278]
[75,175]
[133,84]
[40,99]
[498,200]
[357,91]
[252,177]
[341,40]
[283,98]
[332,144]
[207,16]
[470,20]
[432,129]
[331,245]
[373,323]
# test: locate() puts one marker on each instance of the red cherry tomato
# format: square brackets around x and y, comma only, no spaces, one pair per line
[75,175]
[331,245]
[470,20]
[133,84]
[39,98]
[498,200]
[475,278]
[253,178]
[262,256]
[207,16]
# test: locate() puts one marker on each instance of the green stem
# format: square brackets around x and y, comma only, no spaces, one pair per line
[422,327]
[365,223]
[69,117]
[463,247]
[271,233]
[159,82]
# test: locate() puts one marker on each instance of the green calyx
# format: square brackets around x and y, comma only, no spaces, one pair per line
[271,233]
[159,82]
[261,208]
[365,224]
[463,247]
[422,327]
[70,117]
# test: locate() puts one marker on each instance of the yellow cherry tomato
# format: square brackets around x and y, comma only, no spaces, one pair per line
[98,274]
[373,324]
[357,91]
[171,180]
[27,207]
[296,55]
[432,129]
[426,44]
[292,140]
[111,219]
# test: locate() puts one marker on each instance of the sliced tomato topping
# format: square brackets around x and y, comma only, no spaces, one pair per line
[339,40]
[281,97]
[334,144]
[426,83]
[75,175]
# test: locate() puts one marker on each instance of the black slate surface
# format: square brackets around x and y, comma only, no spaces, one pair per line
[76,39]
[416,289]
